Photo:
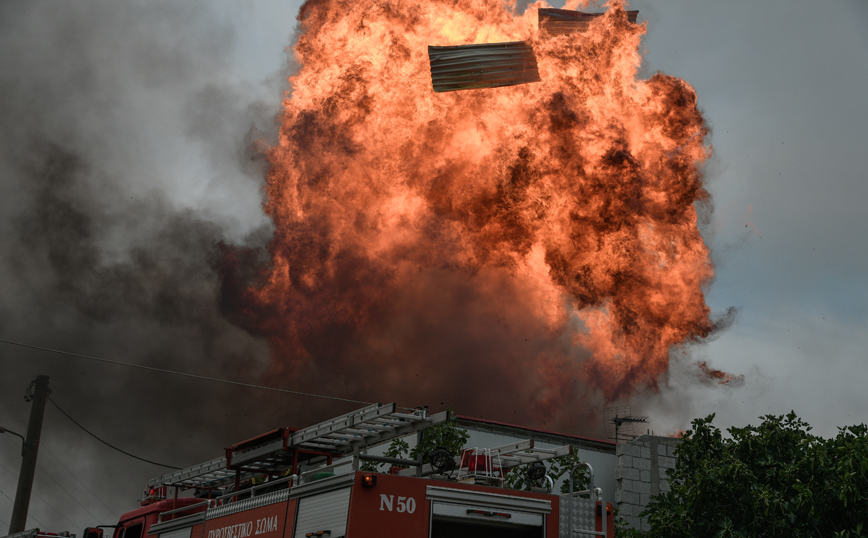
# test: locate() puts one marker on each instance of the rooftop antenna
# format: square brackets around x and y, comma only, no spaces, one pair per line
[618,417]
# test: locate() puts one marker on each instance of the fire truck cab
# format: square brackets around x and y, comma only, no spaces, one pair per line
[138,523]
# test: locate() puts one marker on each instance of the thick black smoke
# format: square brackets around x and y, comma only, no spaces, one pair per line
[124,162]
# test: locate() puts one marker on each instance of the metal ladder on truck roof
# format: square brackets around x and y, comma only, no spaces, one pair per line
[280,450]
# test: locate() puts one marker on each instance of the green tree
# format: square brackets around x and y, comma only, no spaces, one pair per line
[771,480]
[444,435]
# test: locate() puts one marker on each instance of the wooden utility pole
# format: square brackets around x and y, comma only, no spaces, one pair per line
[28,454]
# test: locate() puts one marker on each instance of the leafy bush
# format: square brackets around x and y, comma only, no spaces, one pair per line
[771,480]
[446,435]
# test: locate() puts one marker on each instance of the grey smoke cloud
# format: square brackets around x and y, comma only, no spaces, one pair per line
[781,84]
[125,161]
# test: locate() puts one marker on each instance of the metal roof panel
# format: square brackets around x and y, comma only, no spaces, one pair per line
[487,65]
[564,21]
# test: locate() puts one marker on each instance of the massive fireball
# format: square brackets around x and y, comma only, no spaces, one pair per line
[518,250]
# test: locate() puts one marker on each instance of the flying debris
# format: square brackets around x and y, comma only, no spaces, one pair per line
[563,21]
[710,374]
[489,65]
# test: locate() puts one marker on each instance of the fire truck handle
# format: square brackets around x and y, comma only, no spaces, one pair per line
[486,513]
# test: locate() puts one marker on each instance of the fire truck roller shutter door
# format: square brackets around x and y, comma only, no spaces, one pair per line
[460,513]
[183,532]
[324,512]
[486,515]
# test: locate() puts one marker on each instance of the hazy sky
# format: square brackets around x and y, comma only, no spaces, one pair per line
[780,84]
[123,136]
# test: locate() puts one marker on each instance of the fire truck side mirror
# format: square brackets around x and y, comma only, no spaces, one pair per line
[92,532]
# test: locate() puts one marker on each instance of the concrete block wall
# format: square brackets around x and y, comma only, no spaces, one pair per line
[640,473]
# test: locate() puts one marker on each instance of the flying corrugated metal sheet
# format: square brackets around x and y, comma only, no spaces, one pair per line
[467,67]
[564,21]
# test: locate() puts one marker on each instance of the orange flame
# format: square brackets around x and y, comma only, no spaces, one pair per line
[539,238]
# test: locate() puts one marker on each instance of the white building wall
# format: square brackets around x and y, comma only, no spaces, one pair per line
[641,473]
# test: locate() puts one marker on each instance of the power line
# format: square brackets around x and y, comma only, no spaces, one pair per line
[76,479]
[63,489]
[7,496]
[13,475]
[29,515]
[106,442]
[45,472]
[184,374]
[56,509]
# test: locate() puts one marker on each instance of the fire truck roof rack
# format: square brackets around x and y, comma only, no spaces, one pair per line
[506,456]
[278,450]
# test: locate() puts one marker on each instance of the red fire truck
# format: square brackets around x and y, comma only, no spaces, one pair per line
[311,484]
